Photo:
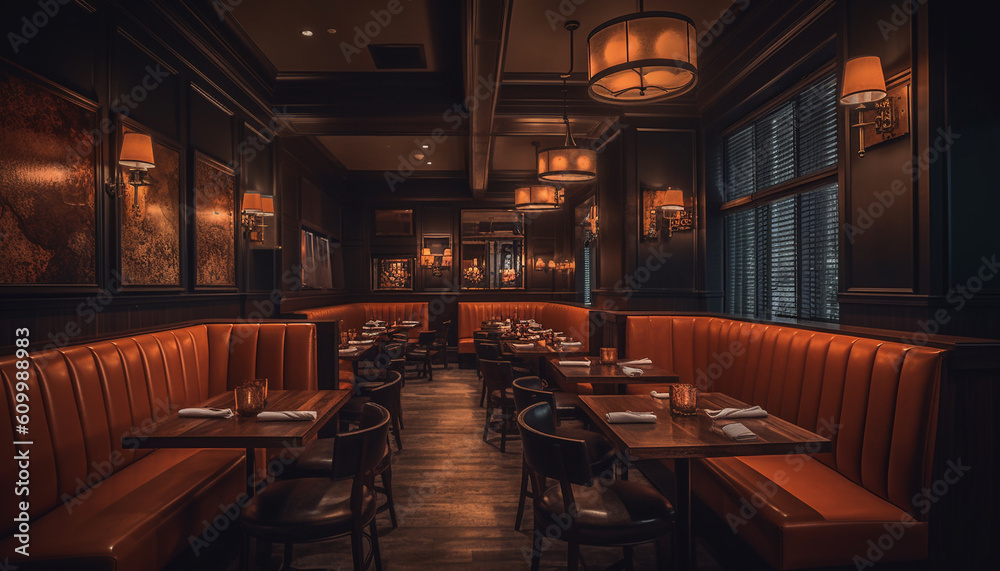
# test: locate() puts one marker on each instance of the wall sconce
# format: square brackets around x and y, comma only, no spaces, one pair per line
[137,155]
[540,265]
[591,223]
[435,262]
[670,202]
[863,83]
[256,207]
[565,265]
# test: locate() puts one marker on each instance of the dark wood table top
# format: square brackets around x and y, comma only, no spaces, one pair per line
[598,373]
[692,436]
[365,352]
[236,432]
[539,349]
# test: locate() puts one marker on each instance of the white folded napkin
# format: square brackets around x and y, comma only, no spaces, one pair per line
[287,415]
[522,345]
[359,342]
[737,432]
[749,412]
[411,323]
[632,372]
[629,416]
[349,350]
[557,332]
[205,412]
[659,395]
[572,343]
[643,361]
[574,363]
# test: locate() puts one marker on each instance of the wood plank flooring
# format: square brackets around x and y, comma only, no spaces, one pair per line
[456,496]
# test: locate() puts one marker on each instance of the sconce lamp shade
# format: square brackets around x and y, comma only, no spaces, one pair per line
[446,258]
[642,58]
[137,151]
[863,81]
[252,202]
[552,264]
[267,205]
[673,200]
[425,251]
[568,163]
[537,197]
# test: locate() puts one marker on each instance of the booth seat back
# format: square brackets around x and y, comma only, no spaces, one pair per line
[355,315]
[84,398]
[876,400]
[572,320]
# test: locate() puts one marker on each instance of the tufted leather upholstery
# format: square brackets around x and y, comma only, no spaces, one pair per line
[573,321]
[875,399]
[119,507]
[355,315]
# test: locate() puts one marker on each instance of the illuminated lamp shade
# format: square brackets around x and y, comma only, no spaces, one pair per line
[537,197]
[863,81]
[252,202]
[642,58]
[267,205]
[673,200]
[137,151]
[567,164]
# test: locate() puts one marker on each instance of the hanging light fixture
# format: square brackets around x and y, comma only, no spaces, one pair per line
[538,197]
[568,163]
[643,57]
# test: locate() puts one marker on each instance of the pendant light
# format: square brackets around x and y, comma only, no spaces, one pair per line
[568,163]
[643,57]
[537,197]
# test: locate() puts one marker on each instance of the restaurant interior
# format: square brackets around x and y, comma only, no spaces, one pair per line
[497,284]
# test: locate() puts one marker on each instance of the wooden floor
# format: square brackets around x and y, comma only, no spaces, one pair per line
[456,496]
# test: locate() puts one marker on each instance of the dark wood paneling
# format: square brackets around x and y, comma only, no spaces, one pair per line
[211,126]
[146,87]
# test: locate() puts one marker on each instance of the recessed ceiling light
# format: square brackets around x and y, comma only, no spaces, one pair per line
[307,33]
[331,30]
[430,163]
[425,146]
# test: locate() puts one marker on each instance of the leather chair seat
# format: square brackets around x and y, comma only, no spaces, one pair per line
[622,513]
[567,404]
[316,459]
[304,509]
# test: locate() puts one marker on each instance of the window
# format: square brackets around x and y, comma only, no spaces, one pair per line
[781,214]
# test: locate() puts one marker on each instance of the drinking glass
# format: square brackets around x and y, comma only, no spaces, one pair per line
[683,398]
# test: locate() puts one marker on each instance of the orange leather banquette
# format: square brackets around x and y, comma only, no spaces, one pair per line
[355,315]
[877,402]
[571,320]
[94,504]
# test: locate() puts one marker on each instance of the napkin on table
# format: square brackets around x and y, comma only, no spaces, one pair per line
[574,363]
[659,395]
[522,345]
[349,350]
[629,416]
[358,342]
[736,432]
[572,343]
[287,415]
[206,412]
[632,372]
[643,361]
[749,412]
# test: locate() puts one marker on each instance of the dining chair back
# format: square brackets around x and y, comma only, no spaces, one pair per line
[389,396]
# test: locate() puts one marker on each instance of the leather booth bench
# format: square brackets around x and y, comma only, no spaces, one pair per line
[572,320]
[354,316]
[876,400]
[94,504]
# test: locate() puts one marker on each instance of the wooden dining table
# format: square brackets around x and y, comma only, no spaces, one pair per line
[607,379]
[683,438]
[246,433]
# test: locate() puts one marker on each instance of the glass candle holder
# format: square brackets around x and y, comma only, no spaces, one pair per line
[344,338]
[251,397]
[609,355]
[683,399]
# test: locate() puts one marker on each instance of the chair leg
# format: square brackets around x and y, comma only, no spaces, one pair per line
[387,483]
[536,544]
[523,496]
[482,394]
[376,553]
[358,549]
[286,559]
[573,556]
[486,428]
[397,432]
[503,430]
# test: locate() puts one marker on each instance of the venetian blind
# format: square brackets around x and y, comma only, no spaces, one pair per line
[782,253]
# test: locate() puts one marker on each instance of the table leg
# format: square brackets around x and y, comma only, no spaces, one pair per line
[251,481]
[684,553]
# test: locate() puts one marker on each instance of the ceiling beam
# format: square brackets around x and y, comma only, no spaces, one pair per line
[488,26]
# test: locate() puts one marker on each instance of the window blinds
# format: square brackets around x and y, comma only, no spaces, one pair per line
[782,255]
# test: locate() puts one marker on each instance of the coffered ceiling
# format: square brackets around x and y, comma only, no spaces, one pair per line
[501,59]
